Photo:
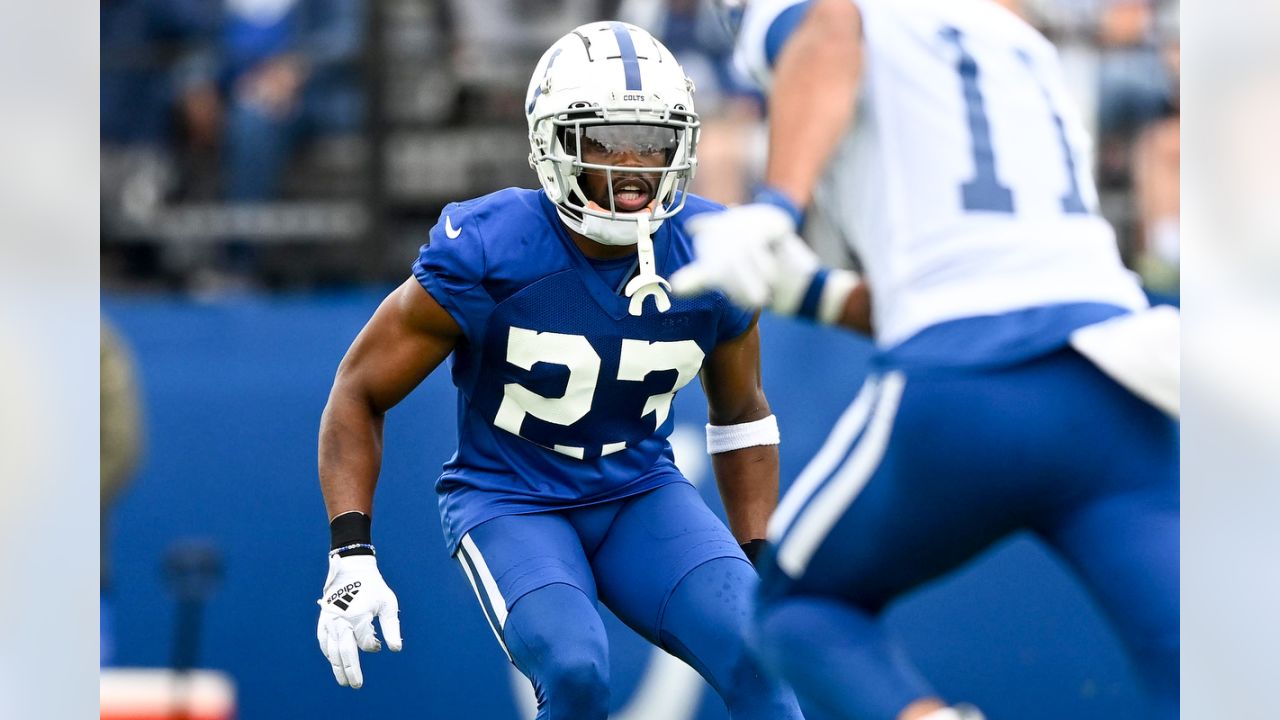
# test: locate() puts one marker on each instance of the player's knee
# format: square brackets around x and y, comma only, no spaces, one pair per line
[576,685]
[565,656]
[572,671]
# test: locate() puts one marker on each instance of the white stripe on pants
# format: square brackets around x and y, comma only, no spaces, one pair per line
[469,551]
[832,501]
[825,462]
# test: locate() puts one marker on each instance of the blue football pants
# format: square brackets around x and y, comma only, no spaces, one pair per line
[925,470]
[661,561]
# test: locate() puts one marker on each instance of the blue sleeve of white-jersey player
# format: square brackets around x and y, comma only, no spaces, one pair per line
[766,27]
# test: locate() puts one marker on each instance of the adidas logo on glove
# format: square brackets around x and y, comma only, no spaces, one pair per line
[342,597]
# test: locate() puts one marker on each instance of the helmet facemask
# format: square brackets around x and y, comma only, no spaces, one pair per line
[594,158]
[613,138]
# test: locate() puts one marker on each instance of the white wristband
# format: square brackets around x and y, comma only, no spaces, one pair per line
[835,294]
[723,438]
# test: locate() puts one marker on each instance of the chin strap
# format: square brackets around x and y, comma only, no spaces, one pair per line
[648,282]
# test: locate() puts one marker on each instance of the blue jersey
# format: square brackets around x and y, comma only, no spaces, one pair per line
[564,397]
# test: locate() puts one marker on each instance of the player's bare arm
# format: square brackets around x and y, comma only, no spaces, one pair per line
[753,253]
[856,314]
[748,476]
[408,336]
[809,110]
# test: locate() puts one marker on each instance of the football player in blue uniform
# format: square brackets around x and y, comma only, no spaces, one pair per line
[567,350]
[1020,376]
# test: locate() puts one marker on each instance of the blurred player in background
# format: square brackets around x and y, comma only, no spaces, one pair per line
[940,134]
[567,352]
[119,452]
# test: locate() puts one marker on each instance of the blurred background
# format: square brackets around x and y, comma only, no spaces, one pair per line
[269,169]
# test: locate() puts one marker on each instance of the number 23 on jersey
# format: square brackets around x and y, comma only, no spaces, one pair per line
[637,359]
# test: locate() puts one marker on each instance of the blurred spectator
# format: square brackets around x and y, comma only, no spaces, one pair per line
[1156,180]
[1157,166]
[154,55]
[289,70]
[1136,84]
[280,72]
[120,449]
[1140,131]
[149,49]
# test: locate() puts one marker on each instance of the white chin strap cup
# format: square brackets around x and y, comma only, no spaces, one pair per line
[648,282]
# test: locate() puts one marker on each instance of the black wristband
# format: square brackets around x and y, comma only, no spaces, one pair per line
[753,548]
[351,528]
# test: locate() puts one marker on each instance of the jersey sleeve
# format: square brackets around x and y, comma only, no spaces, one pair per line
[766,27]
[451,267]
[733,322]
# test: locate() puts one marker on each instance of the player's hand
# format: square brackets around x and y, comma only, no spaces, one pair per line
[354,593]
[735,254]
[752,254]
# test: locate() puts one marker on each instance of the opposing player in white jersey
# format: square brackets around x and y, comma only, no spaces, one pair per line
[1020,377]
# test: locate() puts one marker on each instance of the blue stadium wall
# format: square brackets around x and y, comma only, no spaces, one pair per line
[233,393]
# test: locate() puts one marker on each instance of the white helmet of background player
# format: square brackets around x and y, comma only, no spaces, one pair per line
[614,89]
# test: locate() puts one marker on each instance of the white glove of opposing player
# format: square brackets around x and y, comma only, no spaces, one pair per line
[752,254]
[733,254]
[354,593]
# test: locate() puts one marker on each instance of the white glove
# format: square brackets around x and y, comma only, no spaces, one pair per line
[354,592]
[733,254]
[752,254]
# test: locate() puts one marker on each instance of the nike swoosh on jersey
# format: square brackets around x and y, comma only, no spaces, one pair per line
[449,229]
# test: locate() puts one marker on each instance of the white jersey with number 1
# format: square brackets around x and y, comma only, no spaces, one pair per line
[965,184]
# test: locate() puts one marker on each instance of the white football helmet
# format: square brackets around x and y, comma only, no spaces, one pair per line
[612,87]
